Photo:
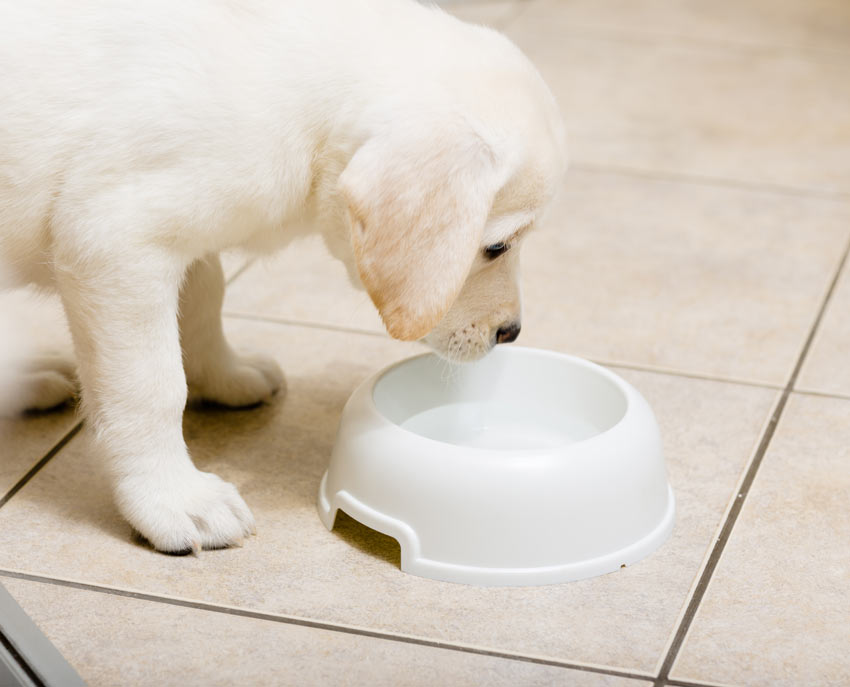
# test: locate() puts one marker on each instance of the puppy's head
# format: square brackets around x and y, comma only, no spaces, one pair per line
[440,198]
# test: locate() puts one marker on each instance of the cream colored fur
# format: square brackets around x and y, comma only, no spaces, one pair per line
[138,139]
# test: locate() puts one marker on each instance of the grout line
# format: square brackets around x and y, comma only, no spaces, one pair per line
[687,683]
[238,273]
[744,490]
[735,495]
[823,394]
[326,626]
[705,180]
[299,323]
[638,367]
[520,7]
[40,464]
[673,372]
[801,51]
[446,4]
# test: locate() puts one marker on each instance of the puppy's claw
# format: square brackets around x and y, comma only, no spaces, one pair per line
[186,512]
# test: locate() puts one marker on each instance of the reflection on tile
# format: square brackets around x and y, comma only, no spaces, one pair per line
[813,24]
[692,108]
[276,456]
[827,366]
[153,643]
[776,611]
[302,283]
[708,280]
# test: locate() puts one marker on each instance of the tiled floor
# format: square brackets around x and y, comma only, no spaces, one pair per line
[697,248]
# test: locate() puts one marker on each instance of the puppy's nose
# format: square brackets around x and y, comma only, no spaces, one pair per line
[507,333]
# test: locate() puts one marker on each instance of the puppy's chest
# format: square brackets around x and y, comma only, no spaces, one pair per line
[254,229]
[265,211]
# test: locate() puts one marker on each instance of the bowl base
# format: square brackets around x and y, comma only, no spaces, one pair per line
[413,563]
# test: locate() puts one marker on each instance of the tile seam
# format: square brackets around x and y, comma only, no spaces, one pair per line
[800,51]
[696,683]
[718,530]
[238,273]
[719,546]
[673,372]
[272,319]
[639,367]
[511,15]
[70,434]
[325,626]
[520,7]
[836,395]
[838,196]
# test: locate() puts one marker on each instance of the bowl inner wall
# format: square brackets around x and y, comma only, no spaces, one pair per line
[503,402]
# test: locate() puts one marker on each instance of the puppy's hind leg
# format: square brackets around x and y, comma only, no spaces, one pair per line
[214,371]
[122,310]
[27,382]
[40,383]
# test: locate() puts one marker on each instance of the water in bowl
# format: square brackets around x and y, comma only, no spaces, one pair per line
[498,427]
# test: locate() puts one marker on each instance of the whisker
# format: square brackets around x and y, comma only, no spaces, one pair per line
[451,360]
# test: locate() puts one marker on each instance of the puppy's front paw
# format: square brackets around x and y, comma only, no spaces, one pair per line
[238,381]
[185,512]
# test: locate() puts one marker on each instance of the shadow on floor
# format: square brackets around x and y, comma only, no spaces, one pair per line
[367,540]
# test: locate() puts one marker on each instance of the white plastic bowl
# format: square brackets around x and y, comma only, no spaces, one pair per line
[528,467]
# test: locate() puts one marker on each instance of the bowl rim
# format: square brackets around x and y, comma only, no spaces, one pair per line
[366,391]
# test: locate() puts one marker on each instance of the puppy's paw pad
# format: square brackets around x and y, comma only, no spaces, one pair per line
[244,380]
[186,513]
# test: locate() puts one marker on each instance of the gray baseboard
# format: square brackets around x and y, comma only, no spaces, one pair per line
[27,658]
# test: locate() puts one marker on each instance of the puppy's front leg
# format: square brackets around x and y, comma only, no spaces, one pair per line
[123,318]
[214,371]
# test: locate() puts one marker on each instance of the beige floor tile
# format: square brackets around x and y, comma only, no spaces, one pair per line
[822,25]
[233,262]
[276,456]
[152,643]
[704,279]
[302,283]
[776,611]
[687,107]
[827,366]
[25,440]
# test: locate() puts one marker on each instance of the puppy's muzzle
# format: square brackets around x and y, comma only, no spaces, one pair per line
[508,332]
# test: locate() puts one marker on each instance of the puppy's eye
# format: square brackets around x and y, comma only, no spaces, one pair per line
[494,251]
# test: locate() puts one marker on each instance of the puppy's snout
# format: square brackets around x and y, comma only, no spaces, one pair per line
[507,332]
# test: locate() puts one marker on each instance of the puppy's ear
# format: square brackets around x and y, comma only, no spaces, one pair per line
[417,204]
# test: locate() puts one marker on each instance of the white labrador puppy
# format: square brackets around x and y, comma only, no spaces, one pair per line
[138,138]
